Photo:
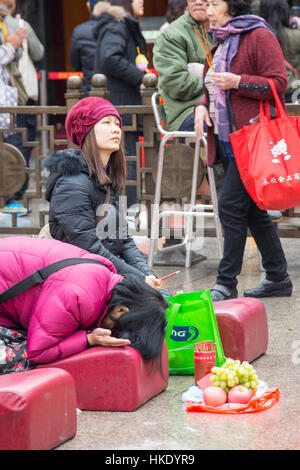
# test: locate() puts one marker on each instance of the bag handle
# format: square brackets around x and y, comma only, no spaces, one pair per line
[279,108]
[40,275]
[264,115]
[174,310]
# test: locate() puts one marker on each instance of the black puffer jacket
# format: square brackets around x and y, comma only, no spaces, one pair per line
[75,204]
[118,35]
[83,45]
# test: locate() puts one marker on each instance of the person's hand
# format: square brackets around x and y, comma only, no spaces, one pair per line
[153,282]
[102,337]
[201,117]
[17,39]
[226,80]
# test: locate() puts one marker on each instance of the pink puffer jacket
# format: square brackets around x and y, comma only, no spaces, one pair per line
[57,313]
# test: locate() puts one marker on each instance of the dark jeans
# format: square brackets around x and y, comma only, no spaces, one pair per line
[188,124]
[237,212]
[29,122]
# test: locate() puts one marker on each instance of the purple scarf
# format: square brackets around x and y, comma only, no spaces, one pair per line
[229,35]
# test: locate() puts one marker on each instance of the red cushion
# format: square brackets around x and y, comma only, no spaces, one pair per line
[243,327]
[37,409]
[113,378]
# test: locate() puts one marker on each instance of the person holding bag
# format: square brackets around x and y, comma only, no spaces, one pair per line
[9,50]
[23,76]
[246,53]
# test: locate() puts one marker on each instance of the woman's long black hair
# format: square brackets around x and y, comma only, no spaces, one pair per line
[277,14]
[145,322]
[239,7]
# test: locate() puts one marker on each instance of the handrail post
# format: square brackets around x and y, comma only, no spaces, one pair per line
[73,94]
[99,86]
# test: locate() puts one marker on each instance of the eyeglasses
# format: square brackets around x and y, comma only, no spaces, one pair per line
[193,1]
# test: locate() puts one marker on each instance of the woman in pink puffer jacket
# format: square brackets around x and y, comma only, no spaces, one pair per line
[78,306]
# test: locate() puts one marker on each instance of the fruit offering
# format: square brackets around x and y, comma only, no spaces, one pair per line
[214,396]
[233,373]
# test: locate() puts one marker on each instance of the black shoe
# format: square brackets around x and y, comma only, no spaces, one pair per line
[220,292]
[271,289]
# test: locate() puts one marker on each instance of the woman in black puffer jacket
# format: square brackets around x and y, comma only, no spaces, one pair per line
[119,38]
[84,186]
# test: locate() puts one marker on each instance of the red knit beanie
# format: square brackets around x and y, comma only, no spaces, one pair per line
[84,116]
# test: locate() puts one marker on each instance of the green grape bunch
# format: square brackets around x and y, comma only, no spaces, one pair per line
[232,373]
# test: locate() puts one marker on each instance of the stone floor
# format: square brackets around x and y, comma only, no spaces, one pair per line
[163,424]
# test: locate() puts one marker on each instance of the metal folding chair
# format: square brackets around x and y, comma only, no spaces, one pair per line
[206,210]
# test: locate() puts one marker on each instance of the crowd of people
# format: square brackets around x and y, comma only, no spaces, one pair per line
[249,42]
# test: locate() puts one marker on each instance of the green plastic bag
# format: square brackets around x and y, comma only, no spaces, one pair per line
[191,318]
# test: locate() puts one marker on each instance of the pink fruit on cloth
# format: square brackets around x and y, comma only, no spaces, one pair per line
[214,396]
[239,394]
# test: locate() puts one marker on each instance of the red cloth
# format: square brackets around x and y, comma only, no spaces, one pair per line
[259,57]
[84,116]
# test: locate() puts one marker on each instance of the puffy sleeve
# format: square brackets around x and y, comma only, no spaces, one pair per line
[170,60]
[57,328]
[72,208]
[112,49]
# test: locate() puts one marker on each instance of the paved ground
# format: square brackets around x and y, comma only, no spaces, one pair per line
[163,423]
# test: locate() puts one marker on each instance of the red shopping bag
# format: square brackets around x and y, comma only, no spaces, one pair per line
[268,158]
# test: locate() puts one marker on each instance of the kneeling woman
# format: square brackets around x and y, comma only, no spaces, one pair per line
[84,187]
[77,307]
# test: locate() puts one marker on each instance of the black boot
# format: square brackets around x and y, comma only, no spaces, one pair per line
[271,289]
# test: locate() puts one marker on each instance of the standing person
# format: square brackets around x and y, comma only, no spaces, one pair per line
[9,43]
[119,42]
[246,52]
[277,15]
[83,44]
[77,307]
[175,9]
[84,188]
[36,53]
[179,61]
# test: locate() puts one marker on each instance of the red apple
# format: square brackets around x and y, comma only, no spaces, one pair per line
[214,396]
[239,394]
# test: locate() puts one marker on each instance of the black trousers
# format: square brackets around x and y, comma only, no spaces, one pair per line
[238,212]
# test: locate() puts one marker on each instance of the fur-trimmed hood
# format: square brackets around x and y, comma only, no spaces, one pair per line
[117,12]
[106,14]
[63,163]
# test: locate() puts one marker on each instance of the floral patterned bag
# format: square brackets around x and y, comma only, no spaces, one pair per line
[13,351]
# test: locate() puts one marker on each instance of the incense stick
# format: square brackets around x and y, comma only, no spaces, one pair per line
[205,346]
[204,42]
[170,275]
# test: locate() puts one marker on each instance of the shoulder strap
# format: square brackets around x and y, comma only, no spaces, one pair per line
[40,275]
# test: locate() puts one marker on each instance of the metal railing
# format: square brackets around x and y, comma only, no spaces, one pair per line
[13,167]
